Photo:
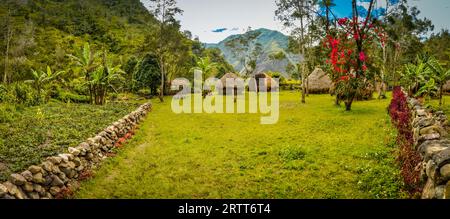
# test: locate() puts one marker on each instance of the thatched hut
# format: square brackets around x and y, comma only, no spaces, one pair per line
[446,87]
[264,83]
[319,82]
[231,84]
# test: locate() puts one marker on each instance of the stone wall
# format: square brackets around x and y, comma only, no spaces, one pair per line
[59,175]
[432,141]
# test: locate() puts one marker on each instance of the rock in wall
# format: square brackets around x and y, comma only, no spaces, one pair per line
[432,141]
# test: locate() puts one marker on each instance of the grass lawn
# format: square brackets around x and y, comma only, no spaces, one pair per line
[28,134]
[316,150]
[445,104]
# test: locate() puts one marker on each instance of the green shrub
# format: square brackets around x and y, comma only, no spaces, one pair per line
[7,112]
[144,92]
[66,96]
[5,95]
[78,86]
[21,93]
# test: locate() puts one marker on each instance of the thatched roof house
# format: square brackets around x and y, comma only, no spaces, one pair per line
[319,82]
[264,83]
[224,83]
[447,87]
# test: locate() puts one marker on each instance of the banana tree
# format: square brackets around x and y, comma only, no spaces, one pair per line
[87,60]
[41,78]
[428,89]
[440,75]
[413,75]
[207,67]
[103,79]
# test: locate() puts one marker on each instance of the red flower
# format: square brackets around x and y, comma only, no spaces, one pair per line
[362,56]
[342,21]
[364,68]
[344,78]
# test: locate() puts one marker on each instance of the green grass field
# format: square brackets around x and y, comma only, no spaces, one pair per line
[316,150]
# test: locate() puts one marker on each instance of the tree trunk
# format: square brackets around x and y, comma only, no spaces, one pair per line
[161,55]
[8,42]
[337,102]
[348,105]
[440,95]
[302,50]
[161,90]
[382,94]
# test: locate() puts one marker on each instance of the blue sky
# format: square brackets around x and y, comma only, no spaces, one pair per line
[214,20]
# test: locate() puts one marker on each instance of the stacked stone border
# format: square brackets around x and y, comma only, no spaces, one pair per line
[432,142]
[58,176]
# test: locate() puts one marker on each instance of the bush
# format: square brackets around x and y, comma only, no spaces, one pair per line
[5,95]
[22,94]
[6,113]
[408,157]
[66,96]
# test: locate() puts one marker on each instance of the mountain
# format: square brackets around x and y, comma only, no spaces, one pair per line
[272,41]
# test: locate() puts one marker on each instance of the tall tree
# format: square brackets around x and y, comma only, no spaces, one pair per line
[296,14]
[405,30]
[8,36]
[165,11]
[246,50]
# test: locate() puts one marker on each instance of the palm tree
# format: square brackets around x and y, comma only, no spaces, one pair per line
[41,78]
[86,59]
[440,75]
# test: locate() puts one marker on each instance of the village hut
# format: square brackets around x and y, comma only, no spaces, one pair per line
[263,83]
[319,82]
[446,87]
[231,84]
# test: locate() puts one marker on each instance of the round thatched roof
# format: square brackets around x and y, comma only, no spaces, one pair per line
[229,76]
[447,86]
[319,80]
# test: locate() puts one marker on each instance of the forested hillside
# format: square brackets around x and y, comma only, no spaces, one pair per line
[39,33]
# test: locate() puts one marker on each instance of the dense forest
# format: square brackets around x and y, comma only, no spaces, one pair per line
[66,40]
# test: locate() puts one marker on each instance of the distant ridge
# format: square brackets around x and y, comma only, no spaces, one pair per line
[272,41]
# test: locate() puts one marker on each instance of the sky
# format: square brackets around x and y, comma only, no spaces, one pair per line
[214,20]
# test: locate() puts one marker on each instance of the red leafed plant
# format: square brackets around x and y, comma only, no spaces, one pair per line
[408,158]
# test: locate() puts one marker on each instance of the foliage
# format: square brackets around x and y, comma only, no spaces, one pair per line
[427,89]
[439,74]
[246,50]
[148,74]
[103,79]
[43,78]
[7,112]
[348,58]
[408,157]
[206,66]
[414,74]
[30,134]
[69,97]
